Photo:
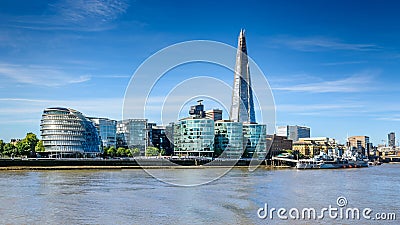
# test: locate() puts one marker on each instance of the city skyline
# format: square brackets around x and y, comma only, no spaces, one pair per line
[332,66]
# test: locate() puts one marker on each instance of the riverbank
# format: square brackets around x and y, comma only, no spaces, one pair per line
[141,163]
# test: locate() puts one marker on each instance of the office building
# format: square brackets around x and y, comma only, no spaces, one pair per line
[242,108]
[392,139]
[276,144]
[67,133]
[228,141]
[360,144]
[159,139]
[132,133]
[293,133]
[214,114]
[255,140]
[194,137]
[107,130]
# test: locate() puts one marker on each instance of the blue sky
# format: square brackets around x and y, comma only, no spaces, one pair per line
[332,65]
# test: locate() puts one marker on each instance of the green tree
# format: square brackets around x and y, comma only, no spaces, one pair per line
[152,151]
[39,146]
[128,152]
[112,151]
[9,149]
[2,146]
[163,152]
[27,145]
[121,152]
[135,152]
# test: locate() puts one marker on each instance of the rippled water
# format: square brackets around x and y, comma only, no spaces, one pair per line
[134,197]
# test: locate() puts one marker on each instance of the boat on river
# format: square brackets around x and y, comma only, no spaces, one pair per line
[331,162]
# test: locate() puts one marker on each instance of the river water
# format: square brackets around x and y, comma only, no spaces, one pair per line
[135,197]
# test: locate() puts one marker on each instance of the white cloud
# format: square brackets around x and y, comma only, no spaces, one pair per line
[81,15]
[355,83]
[90,10]
[321,43]
[40,75]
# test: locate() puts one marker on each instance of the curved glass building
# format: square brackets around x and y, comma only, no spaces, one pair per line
[67,131]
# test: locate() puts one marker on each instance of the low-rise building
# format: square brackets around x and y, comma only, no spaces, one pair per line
[308,149]
[276,144]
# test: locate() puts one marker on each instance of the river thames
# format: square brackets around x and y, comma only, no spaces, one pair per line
[135,197]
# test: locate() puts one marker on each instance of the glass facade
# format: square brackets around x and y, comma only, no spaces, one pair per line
[133,134]
[68,131]
[107,130]
[255,138]
[194,137]
[229,139]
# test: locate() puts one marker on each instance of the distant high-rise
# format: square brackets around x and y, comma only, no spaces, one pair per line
[293,132]
[242,108]
[214,114]
[392,139]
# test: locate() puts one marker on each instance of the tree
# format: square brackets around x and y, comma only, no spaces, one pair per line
[27,145]
[39,146]
[9,149]
[128,152]
[163,152]
[121,151]
[152,151]
[112,151]
[135,152]
[2,146]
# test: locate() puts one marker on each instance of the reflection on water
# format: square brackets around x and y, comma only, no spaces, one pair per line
[134,197]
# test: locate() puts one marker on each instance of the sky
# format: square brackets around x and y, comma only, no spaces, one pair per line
[331,65]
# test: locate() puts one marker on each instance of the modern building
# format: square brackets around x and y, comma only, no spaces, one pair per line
[169,133]
[255,140]
[194,137]
[360,144]
[242,108]
[293,133]
[214,114]
[67,132]
[132,133]
[276,144]
[228,140]
[197,111]
[392,139]
[159,139]
[107,130]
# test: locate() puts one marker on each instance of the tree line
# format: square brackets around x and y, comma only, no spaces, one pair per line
[25,147]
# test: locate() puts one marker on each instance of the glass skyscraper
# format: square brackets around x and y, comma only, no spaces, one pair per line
[67,131]
[242,108]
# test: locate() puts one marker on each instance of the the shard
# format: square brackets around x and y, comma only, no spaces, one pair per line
[242,108]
